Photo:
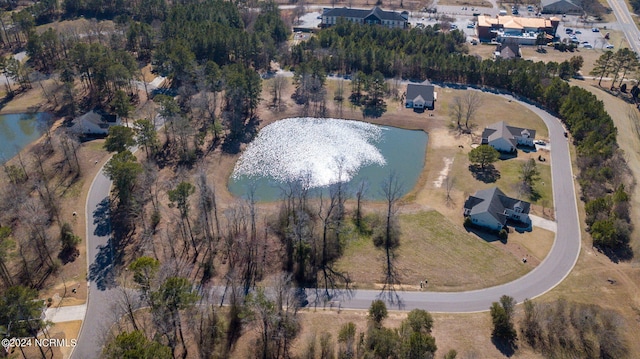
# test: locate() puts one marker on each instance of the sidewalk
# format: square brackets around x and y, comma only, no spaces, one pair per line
[66,314]
[543,223]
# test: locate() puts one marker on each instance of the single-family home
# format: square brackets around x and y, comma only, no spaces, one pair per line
[491,208]
[508,50]
[571,7]
[375,16]
[505,138]
[94,122]
[420,96]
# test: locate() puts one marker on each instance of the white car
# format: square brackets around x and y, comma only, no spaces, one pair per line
[609,46]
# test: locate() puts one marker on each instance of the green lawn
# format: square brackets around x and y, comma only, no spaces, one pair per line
[433,248]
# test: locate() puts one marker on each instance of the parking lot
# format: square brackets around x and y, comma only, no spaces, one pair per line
[581,33]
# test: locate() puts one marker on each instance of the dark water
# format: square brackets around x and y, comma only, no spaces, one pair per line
[19,130]
[403,150]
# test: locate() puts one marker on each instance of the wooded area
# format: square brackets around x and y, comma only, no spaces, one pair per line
[214,53]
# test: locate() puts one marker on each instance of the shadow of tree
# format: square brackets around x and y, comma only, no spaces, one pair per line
[488,174]
[374,111]
[101,271]
[101,218]
[506,347]
[625,253]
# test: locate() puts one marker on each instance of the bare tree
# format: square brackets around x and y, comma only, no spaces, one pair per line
[389,238]
[277,86]
[472,103]
[456,111]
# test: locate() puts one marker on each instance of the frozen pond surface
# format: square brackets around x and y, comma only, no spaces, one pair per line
[320,152]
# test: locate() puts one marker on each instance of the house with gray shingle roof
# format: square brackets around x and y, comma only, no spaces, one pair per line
[505,138]
[420,96]
[491,208]
[375,16]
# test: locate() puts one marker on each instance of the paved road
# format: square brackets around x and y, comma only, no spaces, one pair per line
[626,23]
[554,268]
[99,314]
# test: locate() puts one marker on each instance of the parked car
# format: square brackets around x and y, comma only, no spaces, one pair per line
[609,46]
[454,27]
[587,46]
[568,30]
[577,32]
[595,29]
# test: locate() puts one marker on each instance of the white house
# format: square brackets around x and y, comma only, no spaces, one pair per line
[420,96]
[491,208]
[505,138]
[94,123]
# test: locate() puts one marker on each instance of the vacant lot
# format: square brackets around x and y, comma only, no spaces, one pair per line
[452,259]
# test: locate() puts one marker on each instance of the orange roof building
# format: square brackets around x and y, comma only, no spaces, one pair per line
[524,30]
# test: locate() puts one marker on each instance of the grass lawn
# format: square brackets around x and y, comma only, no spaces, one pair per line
[508,181]
[435,248]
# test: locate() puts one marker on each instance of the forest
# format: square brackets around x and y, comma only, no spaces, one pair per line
[214,53]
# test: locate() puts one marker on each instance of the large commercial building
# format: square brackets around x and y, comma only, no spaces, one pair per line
[375,16]
[522,30]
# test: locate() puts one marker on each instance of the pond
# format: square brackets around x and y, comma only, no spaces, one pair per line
[19,130]
[320,152]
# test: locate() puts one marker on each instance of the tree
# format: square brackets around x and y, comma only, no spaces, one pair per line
[415,333]
[69,242]
[347,341]
[389,237]
[603,66]
[6,244]
[175,294]
[502,318]
[529,174]
[119,138]
[472,103]
[180,197]
[378,312]
[483,155]
[144,272]
[135,345]
[20,312]
[123,170]
[456,111]
[146,136]
[121,105]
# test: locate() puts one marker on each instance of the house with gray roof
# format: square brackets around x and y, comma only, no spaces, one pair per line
[491,208]
[505,138]
[420,96]
[94,122]
[375,16]
[571,7]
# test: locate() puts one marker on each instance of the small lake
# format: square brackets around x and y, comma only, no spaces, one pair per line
[310,148]
[19,130]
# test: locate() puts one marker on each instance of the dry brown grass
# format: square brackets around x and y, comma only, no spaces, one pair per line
[476,3]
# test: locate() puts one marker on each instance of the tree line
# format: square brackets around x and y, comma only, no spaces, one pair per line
[438,56]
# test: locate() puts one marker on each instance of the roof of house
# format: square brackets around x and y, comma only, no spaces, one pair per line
[568,3]
[509,133]
[425,91]
[508,50]
[514,22]
[363,13]
[494,202]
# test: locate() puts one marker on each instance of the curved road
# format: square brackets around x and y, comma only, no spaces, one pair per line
[101,312]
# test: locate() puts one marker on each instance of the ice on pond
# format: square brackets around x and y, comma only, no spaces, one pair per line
[320,149]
